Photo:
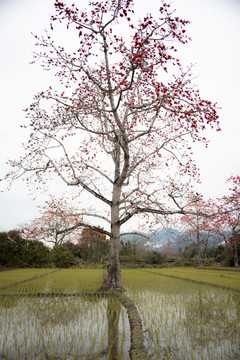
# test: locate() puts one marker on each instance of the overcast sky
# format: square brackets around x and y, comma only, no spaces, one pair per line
[215,48]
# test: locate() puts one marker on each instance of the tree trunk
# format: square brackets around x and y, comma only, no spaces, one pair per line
[199,249]
[205,248]
[114,271]
[199,256]
[235,251]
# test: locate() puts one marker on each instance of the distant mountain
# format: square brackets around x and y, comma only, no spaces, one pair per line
[164,240]
[159,240]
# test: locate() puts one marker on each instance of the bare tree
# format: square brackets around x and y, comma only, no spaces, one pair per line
[121,125]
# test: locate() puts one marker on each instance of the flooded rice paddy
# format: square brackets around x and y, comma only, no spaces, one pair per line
[61,316]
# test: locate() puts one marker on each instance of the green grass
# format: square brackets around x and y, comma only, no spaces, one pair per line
[63,281]
[12,276]
[224,278]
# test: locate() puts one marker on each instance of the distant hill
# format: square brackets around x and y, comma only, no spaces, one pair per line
[159,240]
[163,240]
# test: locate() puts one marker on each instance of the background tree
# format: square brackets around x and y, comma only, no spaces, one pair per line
[189,252]
[133,249]
[132,122]
[62,257]
[16,251]
[155,258]
[56,216]
[36,254]
[227,225]
[93,244]
[11,249]
[73,248]
[198,229]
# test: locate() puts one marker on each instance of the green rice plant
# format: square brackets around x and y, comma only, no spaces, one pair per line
[225,278]
[62,327]
[13,276]
[52,327]
[185,320]
[63,281]
[182,319]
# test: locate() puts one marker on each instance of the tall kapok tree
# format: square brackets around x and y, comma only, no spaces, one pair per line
[227,219]
[197,228]
[121,126]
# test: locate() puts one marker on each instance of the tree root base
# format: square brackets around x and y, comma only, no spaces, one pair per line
[137,350]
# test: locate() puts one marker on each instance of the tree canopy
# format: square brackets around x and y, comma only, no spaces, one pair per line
[121,122]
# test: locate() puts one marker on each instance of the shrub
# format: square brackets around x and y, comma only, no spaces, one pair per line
[208,261]
[154,258]
[62,257]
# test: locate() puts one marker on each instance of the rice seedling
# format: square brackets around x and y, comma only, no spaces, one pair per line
[182,319]
[62,327]
[63,281]
[185,320]
[13,276]
[225,278]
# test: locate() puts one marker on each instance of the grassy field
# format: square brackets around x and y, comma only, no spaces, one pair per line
[13,276]
[225,278]
[182,319]
[63,281]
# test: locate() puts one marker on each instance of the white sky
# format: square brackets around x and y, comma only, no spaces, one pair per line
[215,48]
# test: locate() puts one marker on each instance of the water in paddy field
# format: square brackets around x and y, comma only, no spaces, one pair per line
[63,328]
[181,321]
[189,321]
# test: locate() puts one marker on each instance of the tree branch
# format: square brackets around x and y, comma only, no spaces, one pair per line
[82,224]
